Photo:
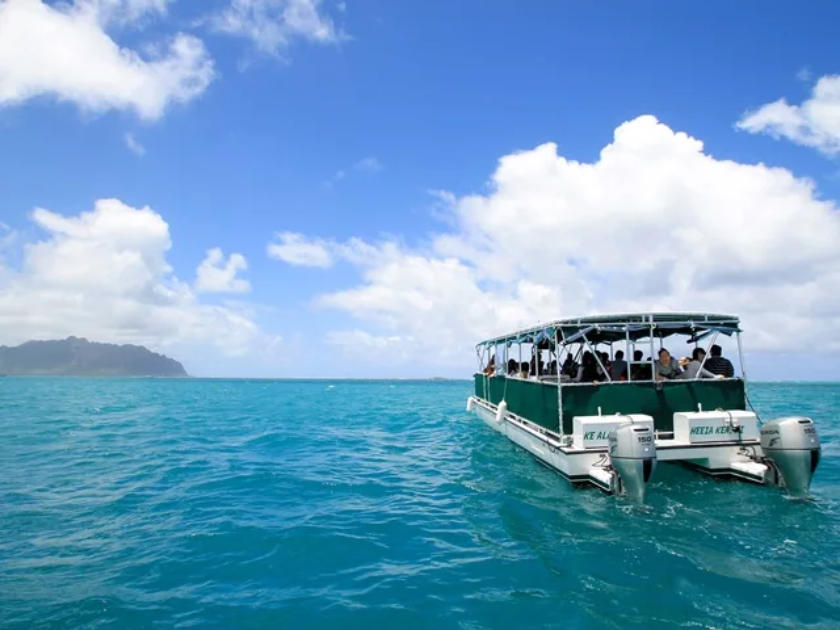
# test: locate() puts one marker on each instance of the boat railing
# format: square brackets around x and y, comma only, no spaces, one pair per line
[553,380]
[651,382]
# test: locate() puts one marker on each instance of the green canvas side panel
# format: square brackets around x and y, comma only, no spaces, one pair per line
[658,400]
[537,402]
[532,400]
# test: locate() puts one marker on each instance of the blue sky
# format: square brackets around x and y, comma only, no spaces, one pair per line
[415,104]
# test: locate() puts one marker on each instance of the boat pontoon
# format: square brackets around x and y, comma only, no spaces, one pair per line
[611,431]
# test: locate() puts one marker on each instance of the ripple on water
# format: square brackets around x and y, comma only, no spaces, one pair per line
[253,504]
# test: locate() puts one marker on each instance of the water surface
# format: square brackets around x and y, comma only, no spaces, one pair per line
[137,503]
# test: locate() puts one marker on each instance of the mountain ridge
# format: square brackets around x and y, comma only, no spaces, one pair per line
[76,356]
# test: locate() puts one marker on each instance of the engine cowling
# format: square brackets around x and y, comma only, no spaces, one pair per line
[792,444]
[633,457]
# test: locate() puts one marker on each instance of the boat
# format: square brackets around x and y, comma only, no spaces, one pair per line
[562,392]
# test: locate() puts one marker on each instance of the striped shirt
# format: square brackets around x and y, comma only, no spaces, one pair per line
[720,365]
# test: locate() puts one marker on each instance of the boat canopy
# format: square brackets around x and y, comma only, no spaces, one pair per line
[620,327]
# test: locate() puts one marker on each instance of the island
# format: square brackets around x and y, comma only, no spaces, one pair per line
[77,356]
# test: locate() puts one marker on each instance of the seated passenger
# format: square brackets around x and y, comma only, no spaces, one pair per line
[512,367]
[552,368]
[490,370]
[717,364]
[641,371]
[588,370]
[604,365]
[523,370]
[694,368]
[619,367]
[665,368]
[570,368]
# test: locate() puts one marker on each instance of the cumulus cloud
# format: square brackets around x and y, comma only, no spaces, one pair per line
[62,51]
[215,275]
[273,25]
[654,223]
[815,123]
[104,275]
[296,249]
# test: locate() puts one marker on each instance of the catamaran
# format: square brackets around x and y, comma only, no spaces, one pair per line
[597,419]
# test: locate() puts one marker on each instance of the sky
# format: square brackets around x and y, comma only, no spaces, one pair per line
[361,188]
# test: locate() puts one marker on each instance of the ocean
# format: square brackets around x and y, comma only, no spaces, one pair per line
[152,503]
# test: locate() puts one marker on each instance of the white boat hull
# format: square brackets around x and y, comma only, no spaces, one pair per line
[591,465]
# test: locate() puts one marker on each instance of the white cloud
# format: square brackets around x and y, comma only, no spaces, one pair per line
[272,25]
[295,249]
[134,146]
[815,123]
[654,223]
[332,181]
[356,339]
[366,351]
[8,236]
[63,52]
[124,12]
[368,165]
[804,74]
[103,274]
[215,275]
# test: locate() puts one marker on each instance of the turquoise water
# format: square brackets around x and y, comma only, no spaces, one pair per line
[265,504]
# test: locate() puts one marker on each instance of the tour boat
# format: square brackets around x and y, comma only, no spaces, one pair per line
[610,426]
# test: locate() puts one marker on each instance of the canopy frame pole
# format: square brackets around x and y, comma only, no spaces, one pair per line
[559,385]
[629,359]
[741,358]
[708,350]
[484,372]
[481,359]
[551,354]
[652,352]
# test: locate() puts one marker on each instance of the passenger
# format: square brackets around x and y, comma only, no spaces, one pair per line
[524,369]
[665,367]
[552,368]
[490,370]
[588,370]
[605,362]
[641,371]
[717,364]
[619,367]
[570,368]
[512,367]
[693,368]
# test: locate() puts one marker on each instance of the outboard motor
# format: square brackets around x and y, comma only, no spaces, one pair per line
[793,446]
[633,457]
